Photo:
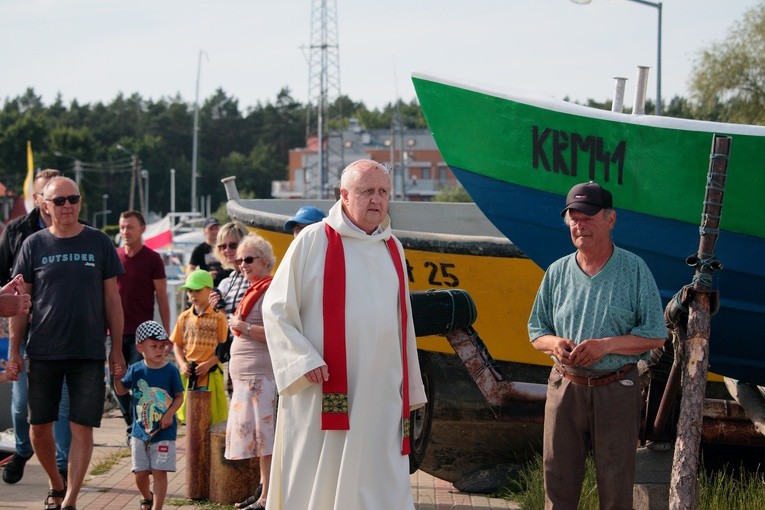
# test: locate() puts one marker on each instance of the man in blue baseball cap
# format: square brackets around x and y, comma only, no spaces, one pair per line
[305,216]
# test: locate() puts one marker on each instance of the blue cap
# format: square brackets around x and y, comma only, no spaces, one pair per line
[305,216]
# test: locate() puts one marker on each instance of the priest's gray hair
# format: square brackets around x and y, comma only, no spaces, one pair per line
[352,170]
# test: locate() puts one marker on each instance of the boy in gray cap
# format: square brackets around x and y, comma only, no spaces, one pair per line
[157,395]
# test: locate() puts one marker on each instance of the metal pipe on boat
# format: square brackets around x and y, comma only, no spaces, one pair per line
[726,422]
[669,398]
[751,398]
[618,103]
[499,392]
[640,88]
[230,184]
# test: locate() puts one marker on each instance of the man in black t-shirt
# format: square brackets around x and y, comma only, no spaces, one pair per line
[70,270]
[203,256]
[10,244]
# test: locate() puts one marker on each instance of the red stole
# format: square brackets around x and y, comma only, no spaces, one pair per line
[334,409]
[251,296]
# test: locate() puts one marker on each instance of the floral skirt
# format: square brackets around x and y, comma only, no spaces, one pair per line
[251,417]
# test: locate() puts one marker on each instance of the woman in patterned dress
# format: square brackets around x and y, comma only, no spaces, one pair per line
[250,427]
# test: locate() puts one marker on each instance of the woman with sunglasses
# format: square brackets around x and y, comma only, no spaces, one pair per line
[250,427]
[232,288]
[229,292]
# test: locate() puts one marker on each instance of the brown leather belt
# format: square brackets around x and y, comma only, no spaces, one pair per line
[600,380]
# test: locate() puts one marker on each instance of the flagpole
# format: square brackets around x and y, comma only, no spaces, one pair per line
[29,179]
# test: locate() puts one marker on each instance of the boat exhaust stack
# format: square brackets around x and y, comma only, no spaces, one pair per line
[618,103]
[642,84]
[230,184]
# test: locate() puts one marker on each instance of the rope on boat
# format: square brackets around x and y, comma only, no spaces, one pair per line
[712,183]
[705,262]
[454,308]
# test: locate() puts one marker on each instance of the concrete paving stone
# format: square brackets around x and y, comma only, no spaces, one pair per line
[116,490]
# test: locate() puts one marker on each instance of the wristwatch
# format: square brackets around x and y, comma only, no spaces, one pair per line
[247,330]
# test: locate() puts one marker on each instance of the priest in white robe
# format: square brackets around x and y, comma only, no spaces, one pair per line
[342,424]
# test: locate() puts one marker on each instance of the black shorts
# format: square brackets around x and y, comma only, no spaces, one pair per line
[85,380]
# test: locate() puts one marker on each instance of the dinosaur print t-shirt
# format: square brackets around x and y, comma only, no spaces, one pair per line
[153,390]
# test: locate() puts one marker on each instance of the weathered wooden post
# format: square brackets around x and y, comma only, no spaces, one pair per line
[694,348]
[197,448]
[230,480]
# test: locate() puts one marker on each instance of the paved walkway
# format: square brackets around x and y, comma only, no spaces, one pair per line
[115,489]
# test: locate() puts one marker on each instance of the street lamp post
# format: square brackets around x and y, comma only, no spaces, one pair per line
[172,193]
[135,164]
[658,7]
[145,177]
[77,165]
[195,138]
[105,196]
[104,212]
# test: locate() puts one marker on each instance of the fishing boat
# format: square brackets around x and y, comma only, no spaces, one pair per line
[485,384]
[517,155]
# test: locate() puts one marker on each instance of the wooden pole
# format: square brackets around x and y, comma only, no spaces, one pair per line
[230,480]
[197,447]
[694,351]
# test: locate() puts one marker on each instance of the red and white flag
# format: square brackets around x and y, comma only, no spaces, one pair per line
[158,234]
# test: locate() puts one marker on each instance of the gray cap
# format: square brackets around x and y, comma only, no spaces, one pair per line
[151,330]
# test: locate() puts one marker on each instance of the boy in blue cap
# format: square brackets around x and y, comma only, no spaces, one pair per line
[157,395]
[305,216]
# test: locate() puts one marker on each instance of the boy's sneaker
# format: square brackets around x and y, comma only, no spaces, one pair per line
[14,469]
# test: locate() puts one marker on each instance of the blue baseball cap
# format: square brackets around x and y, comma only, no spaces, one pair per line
[305,216]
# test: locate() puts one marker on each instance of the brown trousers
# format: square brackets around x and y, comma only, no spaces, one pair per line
[577,418]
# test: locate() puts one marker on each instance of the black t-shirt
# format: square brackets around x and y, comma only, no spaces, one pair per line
[67,277]
[204,258]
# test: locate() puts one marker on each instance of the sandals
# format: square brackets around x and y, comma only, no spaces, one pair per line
[147,504]
[54,493]
[249,502]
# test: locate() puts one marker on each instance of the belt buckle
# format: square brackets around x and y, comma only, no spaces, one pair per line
[589,381]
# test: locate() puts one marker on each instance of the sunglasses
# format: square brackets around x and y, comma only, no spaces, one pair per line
[59,201]
[230,246]
[246,260]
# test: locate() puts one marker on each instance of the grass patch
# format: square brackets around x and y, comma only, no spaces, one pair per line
[105,464]
[528,488]
[201,504]
[724,489]
[729,489]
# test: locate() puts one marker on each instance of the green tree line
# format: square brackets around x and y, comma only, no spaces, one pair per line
[252,144]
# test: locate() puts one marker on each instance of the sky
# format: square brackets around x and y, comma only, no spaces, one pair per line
[93,50]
